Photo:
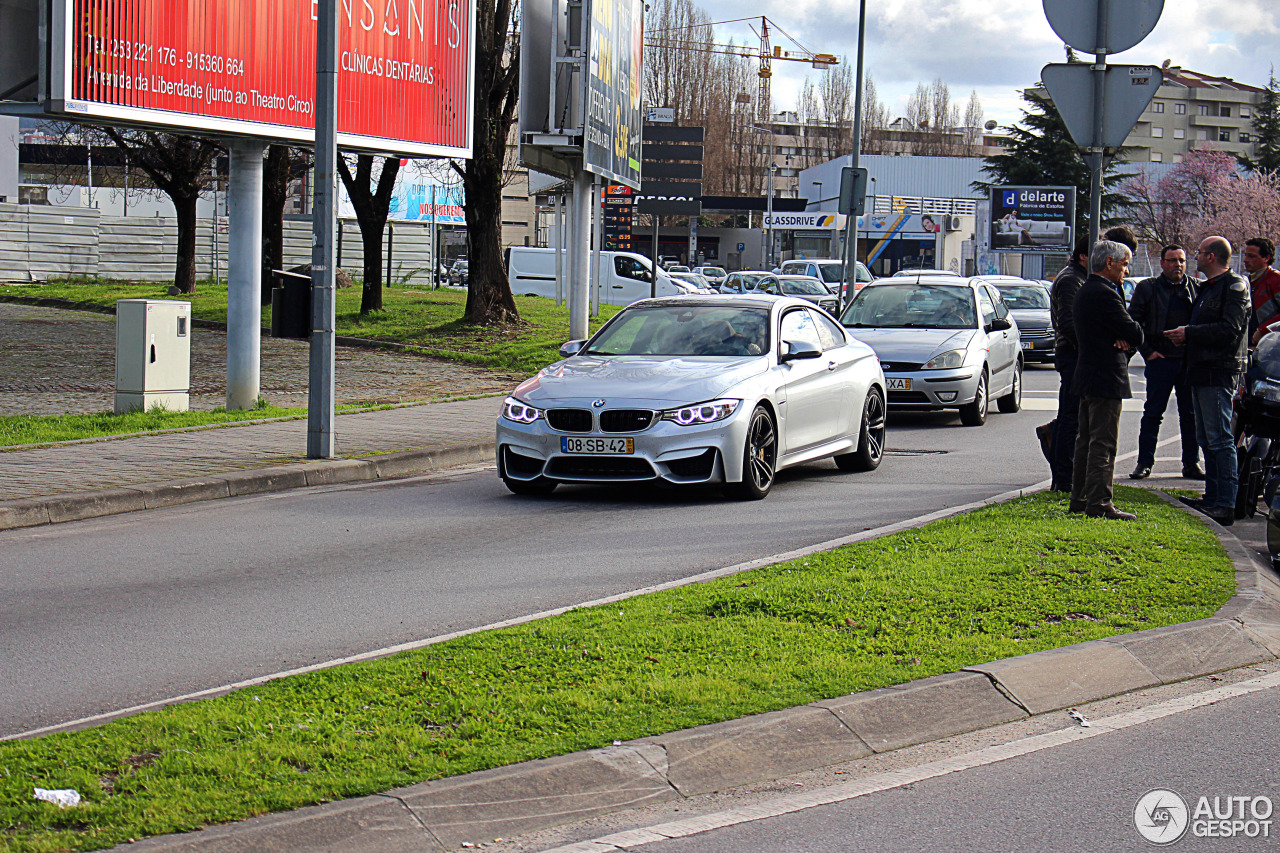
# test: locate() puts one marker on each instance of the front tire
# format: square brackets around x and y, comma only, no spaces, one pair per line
[975,413]
[759,458]
[870,438]
[1012,401]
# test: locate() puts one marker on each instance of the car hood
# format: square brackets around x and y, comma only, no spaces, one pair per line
[912,345]
[1031,318]
[650,381]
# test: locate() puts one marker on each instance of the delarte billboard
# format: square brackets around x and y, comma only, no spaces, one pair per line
[611,145]
[1032,219]
[405,80]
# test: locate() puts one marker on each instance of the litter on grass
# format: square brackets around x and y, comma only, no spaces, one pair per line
[63,798]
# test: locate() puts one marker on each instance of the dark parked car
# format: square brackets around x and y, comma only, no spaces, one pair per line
[1029,303]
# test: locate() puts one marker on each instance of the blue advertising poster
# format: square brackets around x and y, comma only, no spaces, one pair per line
[1032,219]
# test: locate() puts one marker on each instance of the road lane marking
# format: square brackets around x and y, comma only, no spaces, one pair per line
[911,775]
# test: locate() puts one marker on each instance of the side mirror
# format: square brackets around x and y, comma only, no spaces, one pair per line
[571,348]
[999,325]
[795,350]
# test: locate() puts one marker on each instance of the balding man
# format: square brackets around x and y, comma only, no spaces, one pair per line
[1217,344]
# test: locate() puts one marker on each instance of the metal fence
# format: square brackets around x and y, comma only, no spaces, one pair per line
[39,242]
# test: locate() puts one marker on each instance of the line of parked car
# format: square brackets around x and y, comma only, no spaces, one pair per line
[729,387]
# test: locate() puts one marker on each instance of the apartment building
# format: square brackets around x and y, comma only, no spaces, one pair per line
[1194,110]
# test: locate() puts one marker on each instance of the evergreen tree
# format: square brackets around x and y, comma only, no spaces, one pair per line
[1042,154]
[1266,126]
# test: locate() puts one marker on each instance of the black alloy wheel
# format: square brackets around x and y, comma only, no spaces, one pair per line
[759,458]
[870,438]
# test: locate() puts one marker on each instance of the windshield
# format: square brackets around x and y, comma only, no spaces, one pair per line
[684,330]
[714,271]
[912,306]
[751,279]
[830,273]
[1268,354]
[1025,296]
[798,286]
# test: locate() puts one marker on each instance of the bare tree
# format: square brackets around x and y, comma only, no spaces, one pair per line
[282,166]
[177,165]
[372,203]
[875,120]
[973,129]
[497,81]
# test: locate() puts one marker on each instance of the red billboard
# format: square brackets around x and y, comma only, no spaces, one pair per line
[248,67]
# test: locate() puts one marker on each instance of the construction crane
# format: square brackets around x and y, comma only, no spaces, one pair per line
[676,38]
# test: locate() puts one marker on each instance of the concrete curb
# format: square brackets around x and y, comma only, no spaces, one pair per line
[75,506]
[535,795]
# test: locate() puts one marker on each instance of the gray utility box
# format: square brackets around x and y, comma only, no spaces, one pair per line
[153,355]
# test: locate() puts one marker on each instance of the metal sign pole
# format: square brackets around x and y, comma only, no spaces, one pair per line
[320,408]
[850,255]
[597,202]
[1096,152]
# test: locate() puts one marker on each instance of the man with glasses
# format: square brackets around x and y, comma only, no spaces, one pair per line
[1216,338]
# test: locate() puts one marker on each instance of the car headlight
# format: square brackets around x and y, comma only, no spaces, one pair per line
[1267,390]
[702,413]
[945,361]
[521,413]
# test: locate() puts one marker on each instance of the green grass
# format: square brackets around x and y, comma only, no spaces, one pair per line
[18,430]
[430,321]
[1002,581]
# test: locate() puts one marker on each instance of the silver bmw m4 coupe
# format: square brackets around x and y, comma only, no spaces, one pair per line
[697,390]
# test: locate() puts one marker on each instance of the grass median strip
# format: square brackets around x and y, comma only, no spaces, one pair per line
[25,430]
[429,320]
[1001,581]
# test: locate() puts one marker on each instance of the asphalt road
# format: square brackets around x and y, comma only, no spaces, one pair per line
[1053,793]
[109,613]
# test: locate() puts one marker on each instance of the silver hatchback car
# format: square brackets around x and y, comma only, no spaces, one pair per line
[944,342]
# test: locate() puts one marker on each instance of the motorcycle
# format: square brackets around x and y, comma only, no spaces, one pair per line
[1257,427]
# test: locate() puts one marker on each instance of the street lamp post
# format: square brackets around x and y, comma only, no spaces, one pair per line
[769,201]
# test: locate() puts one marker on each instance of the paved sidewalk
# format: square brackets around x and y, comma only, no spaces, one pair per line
[62,362]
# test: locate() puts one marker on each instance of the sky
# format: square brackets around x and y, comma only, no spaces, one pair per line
[994,47]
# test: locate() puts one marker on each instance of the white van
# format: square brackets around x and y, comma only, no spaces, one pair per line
[624,276]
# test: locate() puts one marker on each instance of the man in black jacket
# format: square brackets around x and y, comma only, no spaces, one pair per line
[1216,337]
[1160,303]
[1061,305]
[1104,334]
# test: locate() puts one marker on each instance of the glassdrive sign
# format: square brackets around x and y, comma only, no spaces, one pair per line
[1032,219]
[406,68]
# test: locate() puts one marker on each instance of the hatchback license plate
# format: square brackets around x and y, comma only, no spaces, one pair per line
[606,446]
[898,384]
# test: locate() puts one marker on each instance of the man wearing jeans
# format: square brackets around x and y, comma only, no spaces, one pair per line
[1217,347]
[1159,303]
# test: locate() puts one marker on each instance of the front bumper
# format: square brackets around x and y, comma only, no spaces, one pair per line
[664,452]
[932,389]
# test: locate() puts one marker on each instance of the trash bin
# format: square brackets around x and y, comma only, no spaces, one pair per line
[291,305]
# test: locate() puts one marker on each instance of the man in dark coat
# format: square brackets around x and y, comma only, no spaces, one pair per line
[1062,297]
[1105,333]
[1159,303]
[1217,343]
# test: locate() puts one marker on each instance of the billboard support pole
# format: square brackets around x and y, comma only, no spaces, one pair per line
[560,250]
[320,409]
[597,237]
[244,273]
[580,266]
